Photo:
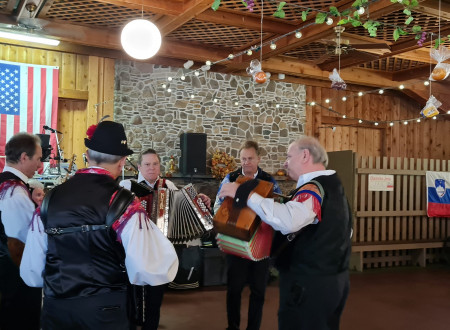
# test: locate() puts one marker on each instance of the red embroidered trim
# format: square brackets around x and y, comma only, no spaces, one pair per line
[12,183]
[92,170]
[317,208]
[134,208]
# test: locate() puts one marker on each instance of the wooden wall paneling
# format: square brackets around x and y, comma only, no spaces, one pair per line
[68,67]
[317,111]
[436,221]
[424,201]
[38,56]
[404,206]
[376,207]
[398,190]
[376,135]
[108,107]
[65,125]
[418,201]
[362,202]
[82,74]
[328,135]
[309,125]
[347,131]
[79,131]
[383,228]
[391,207]
[363,131]
[369,220]
[431,220]
[353,132]
[411,193]
[94,67]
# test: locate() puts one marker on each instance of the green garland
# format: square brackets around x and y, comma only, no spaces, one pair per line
[348,16]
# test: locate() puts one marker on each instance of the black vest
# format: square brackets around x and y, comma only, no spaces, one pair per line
[5,176]
[261,175]
[324,248]
[82,263]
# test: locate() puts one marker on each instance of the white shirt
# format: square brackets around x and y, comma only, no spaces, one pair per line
[291,216]
[17,208]
[127,183]
[150,257]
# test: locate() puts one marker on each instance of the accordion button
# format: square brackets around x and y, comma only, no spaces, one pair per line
[237,199]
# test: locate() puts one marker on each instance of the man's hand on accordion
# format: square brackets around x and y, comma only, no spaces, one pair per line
[206,200]
[228,190]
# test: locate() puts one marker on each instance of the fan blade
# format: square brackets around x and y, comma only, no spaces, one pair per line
[321,59]
[371,46]
[353,58]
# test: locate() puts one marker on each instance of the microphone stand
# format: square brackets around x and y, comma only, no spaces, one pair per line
[60,152]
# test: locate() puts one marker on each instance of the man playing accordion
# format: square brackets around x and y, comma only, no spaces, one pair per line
[149,166]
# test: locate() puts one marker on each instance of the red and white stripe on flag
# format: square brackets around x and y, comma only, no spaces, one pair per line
[28,100]
[438,194]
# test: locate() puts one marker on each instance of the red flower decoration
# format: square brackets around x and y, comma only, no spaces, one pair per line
[90,131]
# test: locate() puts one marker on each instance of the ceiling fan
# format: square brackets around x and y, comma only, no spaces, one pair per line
[349,52]
[27,23]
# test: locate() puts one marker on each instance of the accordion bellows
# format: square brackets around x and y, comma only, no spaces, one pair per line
[181,214]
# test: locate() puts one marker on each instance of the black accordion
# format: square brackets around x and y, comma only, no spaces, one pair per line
[180,214]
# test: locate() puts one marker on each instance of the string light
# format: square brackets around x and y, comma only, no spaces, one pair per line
[401,86]
[236,103]
[249,52]
[182,77]
[380,91]
[435,117]
[360,94]
[169,90]
[298,34]
[360,121]
[208,63]
[329,21]
[273,46]
[418,120]
[405,122]
[426,82]
[344,99]
[361,10]
[391,123]
[192,96]
[169,78]
[376,123]
[327,101]
[197,73]
[231,56]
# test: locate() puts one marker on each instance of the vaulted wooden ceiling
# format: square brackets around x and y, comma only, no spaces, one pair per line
[193,31]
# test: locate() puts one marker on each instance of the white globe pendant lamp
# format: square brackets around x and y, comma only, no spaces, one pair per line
[141,39]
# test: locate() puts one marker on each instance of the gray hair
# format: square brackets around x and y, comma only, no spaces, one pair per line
[316,150]
[35,184]
[100,157]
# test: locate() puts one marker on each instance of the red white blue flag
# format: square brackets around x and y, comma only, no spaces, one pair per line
[28,100]
[438,194]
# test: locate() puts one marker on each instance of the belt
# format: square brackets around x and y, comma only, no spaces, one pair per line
[67,230]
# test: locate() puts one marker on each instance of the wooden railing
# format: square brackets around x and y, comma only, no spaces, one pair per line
[391,228]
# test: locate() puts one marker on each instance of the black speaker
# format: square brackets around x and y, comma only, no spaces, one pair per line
[46,147]
[193,153]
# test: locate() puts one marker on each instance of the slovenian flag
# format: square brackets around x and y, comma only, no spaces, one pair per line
[438,194]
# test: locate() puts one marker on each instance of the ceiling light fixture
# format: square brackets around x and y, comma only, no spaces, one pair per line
[140,39]
[29,37]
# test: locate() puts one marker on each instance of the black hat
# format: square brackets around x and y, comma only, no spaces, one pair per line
[108,137]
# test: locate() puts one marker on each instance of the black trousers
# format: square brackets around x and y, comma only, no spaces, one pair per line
[105,311]
[240,272]
[312,302]
[20,305]
[149,298]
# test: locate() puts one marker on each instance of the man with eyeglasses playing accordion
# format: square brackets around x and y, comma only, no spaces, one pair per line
[149,181]
[317,222]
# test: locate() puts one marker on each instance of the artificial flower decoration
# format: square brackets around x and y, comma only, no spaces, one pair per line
[90,131]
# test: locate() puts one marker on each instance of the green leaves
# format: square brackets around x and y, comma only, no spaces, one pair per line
[372,27]
[409,20]
[280,12]
[215,5]
[416,29]
[304,15]
[334,11]
[320,18]
[399,32]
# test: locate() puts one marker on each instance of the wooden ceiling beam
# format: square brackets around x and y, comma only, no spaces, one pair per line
[422,73]
[310,33]
[168,24]
[246,22]
[286,65]
[431,8]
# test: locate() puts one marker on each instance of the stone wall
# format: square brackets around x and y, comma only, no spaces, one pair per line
[273,114]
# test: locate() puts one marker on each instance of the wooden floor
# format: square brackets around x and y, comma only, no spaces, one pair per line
[397,299]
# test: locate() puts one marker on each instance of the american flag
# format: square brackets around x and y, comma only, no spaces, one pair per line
[28,100]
